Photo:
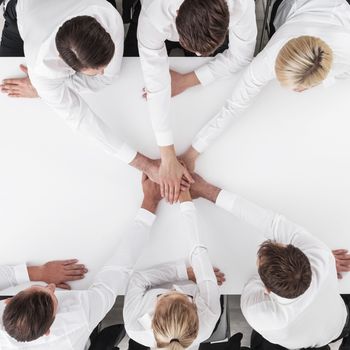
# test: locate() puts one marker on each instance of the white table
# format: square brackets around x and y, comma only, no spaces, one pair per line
[62,196]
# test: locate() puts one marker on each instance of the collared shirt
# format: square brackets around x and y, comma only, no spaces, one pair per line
[145,286]
[157,24]
[328,20]
[58,84]
[315,318]
[80,311]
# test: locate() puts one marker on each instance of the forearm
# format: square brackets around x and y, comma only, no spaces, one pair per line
[143,163]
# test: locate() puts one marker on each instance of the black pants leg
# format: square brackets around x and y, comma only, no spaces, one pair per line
[258,342]
[113,3]
[133,345]
[275,7]
[11,41]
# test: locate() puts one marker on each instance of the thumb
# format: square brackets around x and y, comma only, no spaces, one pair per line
[23,68]
[64,286]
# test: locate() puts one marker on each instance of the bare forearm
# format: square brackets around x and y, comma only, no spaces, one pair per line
[144,164]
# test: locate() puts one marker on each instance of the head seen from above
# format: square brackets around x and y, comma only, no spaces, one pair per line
[284,269]
[175,323]
[202,25]
[30,314]
[303,63]
[84,45]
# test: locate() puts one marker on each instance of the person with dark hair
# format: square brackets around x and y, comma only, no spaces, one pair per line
[201,27]
[71,48]
[293,301]
[41,317]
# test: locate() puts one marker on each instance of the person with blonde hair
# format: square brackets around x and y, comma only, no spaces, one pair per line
[172,306]
[311,46]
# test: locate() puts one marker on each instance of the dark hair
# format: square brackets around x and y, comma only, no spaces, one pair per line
[202,25]
[83,43]
[285,271]
[29,315]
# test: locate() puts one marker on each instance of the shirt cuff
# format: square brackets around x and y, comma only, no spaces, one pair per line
[145,216]
[164,138]
[225,200]
[199,145]
[204,75]
[187,206]
[126,153]
[21,274]
[182,272]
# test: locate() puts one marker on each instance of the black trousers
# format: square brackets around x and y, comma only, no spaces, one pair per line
[130,44]
[258,342]
[11,42]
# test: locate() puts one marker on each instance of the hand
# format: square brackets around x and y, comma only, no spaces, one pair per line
[189,158]
[220,276]
[173,177]
[181,82]
[58,272]
[144,93]
[203,189]
[151,194]
[342,259]
[152,170]
[20,87]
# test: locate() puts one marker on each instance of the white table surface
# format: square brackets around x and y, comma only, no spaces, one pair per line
[62,196]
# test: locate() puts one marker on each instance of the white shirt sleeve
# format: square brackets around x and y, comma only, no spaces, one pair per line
[141,281]
[11,276]
[254,78]
[75,111]
[155,67]
[208,299]
[112,279]
[242,40]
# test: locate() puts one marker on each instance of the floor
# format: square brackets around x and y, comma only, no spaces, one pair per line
[238,323]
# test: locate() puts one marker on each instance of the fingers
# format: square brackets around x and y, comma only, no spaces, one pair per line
[185,183]
[166,191]
[220,276]
[144,177]
[162,189]
[63,286]
[69,262]
[340,251]
[188,176]
[23,68]
[74,278]
[171,194]
[13,81]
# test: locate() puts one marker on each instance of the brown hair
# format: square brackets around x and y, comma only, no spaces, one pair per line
[202,25]
[28,315]
[284,270]
[83,43]
[303,62]
[175,324]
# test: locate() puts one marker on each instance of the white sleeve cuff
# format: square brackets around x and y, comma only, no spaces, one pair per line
[126,153]
[164,138]
[204,75]
[182,272]
[187,206]
[225,200]
[199,145]
[145,216]
[21,274]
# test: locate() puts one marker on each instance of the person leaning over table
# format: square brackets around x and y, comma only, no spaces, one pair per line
[293,301]
[201,27]
[311,47]
[171,306]
[71,47]
[42,317]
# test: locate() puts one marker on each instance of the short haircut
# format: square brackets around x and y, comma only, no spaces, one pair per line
[29,315]
[83,43]
[202,25]
[285,271]
[175,324]
[303,62]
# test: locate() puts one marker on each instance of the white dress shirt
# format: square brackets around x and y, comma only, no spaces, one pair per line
[58,84]
[315,318]
[80,311]
[157,24]
[145,286]
[328,20]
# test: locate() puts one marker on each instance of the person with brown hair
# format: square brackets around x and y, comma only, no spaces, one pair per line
[293,301]
[71,48]
[201,27]
[172,306]
[41,317]
[310,47]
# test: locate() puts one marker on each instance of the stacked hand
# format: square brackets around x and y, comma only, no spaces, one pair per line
[220,276]
[342,258]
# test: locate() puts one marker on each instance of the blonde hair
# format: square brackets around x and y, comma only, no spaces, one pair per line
[175,324]
[303,62]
